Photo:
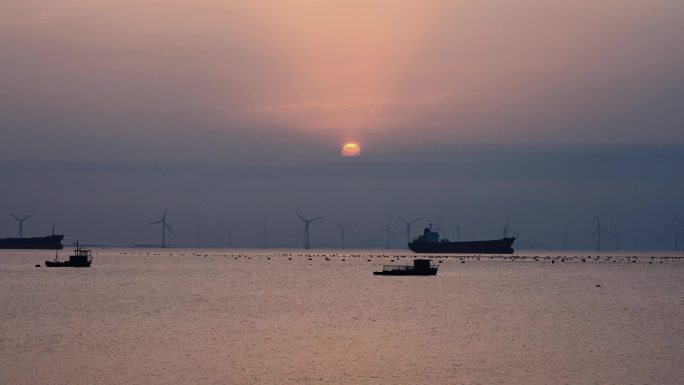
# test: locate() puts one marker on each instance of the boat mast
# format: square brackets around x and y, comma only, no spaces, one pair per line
[56,248]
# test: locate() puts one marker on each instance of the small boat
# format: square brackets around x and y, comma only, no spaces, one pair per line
[420,267]
[81,258]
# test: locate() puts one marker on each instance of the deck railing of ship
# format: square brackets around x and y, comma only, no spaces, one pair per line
[396,267]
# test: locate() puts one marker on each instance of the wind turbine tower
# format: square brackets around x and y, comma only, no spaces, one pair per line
[599,230]
[616,235]
[458,231]
[675,230]
[21,222]
[229,230]
[388,232]
[408,228]
[265,233]
[306,228]
[164,226]
[198,234]
[343,230]
[566,238]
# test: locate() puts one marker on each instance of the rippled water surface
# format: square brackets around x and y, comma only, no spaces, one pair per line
[252,317]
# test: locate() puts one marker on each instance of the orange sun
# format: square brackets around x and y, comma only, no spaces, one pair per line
[351,149]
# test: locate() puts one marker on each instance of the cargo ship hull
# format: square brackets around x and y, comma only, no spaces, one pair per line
[499,246]
[51,242]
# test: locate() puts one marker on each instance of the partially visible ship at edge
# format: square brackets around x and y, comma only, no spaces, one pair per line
[50,242]
[429,242]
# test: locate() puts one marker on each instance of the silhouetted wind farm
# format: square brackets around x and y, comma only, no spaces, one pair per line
[224,235]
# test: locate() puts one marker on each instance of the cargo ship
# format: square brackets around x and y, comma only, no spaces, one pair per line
[51,242]
[429,242]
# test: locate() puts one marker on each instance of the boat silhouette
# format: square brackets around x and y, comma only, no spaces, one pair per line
[420,267]
[81,258]
[430,242]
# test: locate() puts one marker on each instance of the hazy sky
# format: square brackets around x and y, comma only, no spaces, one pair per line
[549,113]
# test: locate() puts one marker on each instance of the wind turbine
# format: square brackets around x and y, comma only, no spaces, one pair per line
[408,227]
[458,231]
[343,230]
[566,238]
[388,231]
[599,230]
[306,228]
[506,229]
[439,229]
[675,232]
[229,230]
[616,235]
[163,227]
[21,222]
[198,233]
[264,234]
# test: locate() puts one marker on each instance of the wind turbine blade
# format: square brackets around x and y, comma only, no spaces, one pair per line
[315,219]
[300,216]
[12,214]
[415,220]
[167,226]
[154,223]
[27,217]
[402,219]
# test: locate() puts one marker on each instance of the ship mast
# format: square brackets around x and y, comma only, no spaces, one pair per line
[56,248]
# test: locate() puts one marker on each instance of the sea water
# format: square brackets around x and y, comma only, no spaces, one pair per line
[211,316]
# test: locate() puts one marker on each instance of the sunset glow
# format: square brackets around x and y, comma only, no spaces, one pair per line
[351,149]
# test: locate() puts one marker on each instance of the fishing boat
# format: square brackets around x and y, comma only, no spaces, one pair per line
[81,258]
[420,267]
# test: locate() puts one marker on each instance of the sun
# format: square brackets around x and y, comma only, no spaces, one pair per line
[351,149]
